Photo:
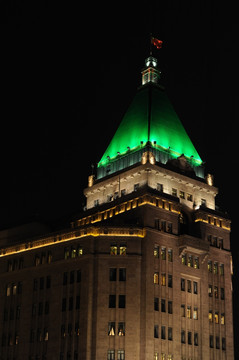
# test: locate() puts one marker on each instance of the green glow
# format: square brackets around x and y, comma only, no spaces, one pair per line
[165,128]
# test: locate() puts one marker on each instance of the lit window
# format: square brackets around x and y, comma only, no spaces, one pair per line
[121,355]
[210,290]
[209,266]
[189,312]
[210,316]
[14,289]
[121,329]
[156,278]
[111,355]
[163,356]
[111,328]
[8,292]
[79,251]
[156,251]
[156,356]
[216,292]
[66,253]
[189,197]
[163,253]
[113,249]
[195,313]
[163,279]
[174,192]
[216,317]
[190,261]
[182,194]
[196,262]
[123,249]
[184,262]
[215,268]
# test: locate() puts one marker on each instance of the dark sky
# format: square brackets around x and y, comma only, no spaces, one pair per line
[69,72]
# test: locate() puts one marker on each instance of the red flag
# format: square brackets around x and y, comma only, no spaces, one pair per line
[156,42]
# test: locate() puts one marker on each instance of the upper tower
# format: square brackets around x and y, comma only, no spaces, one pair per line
[150,124]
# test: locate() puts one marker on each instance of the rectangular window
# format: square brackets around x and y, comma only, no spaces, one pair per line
[174,192]
[112,274]
[210,290]
[156,331]
[159,187]
[63,304]
[156,278]
[216,292]
[156,304]
[183,340]
[111,355]
[163,305]
[189,338]
[195,313]
[156,251]
[8,292]
[163,253]
[163,279]
[169,227]
[163,333]
[216,317]
[190,261]
[65,275]
[170,255]
[77,302]
[221,269]
[111,328]
[70,303]
[222,294]
[215,268]
[121,329]
[170,333]
[182,310]
[189,197]
[122,301]
[195,287]
[182,194]
[189,312]
[72,277]
[112,301]
[210,315]
[182,284]
[211,341]
[78,276]
[170,307]
[217,342]
[123,249]
[184,260]
[122,274]
[195,339]
[121,355]
[170,280]
[223,343]
[209,266]
[189,284]
[196,262]
[222,319]
[113,249]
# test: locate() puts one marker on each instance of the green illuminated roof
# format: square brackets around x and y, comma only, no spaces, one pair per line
[151,118]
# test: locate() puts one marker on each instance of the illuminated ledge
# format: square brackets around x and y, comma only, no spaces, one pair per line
[146,199]
[73,235]
[211,218]
[191,243]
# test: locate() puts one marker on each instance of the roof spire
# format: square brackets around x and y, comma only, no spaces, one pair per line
[151,73]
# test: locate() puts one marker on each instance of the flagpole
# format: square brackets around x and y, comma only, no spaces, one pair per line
[150,52]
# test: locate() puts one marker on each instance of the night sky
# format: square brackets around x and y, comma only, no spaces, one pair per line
[68,74]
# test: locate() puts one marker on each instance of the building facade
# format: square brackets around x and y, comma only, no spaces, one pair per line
[144,273]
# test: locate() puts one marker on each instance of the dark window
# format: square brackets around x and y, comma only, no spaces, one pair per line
[46,307]
[183,340]
[156,304]
[48,282]
[72,277]
[222,294]
[63,304]
[78,276]
[112,301]
[217,342]
[70,303]
[163,305]
[223,343]
[182,284]
[163,333]
[170,280]
[40,308]
[211,341]
[65,275]
[195,287]
[41,283]
[78,302]
[122,274]
[156,331]
[122,301]
[189,286]
[170,333]
[189,338]
[170,307]
[112,274]
[196,339]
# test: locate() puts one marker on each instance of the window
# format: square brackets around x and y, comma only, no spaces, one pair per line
[221,269]
[156,304]
[121,329]
[170,333]
[156,331]
[156,356]
[111,328]
[174,192]
[112,274]
[210,290]
[184,260]
[72,276]
[157,224]
[163,279]
[183,340]
[209,266]
[170,280]
[203,202]
[222,319]
[211,341]
[189,197]
[216,292]
[170,307]
[113,249]
[189,338]
[122,301]
[163,305]
[169,227]
[136,187]
[190,261]
[182,284]
[8,292]
[163,253]
[121,355]
[96,202]
[196,262]
[223,343]
[195,339]
[215,268]
[182,194]
[195,287]
[220,243]
[156,278]
[122,274]
[189,284]
[112,301]
[195,313]
[111,355]
[123,249]
[222,294]
[189,312]
[217,342]
[210,315]
[170,255]
[216,317]
[163,333]
[160,187]
[156,251]
[77,302]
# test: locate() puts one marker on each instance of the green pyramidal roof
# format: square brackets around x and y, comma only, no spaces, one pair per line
[151,118]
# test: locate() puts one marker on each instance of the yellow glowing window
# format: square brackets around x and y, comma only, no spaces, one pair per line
[156,278]
[163,279]
[216,317]
[123,249]
[189,312]
[210,316]
[113,250]
[156,251]
[222,319]
[195,313]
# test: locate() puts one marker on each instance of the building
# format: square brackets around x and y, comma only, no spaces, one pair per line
[144,273]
